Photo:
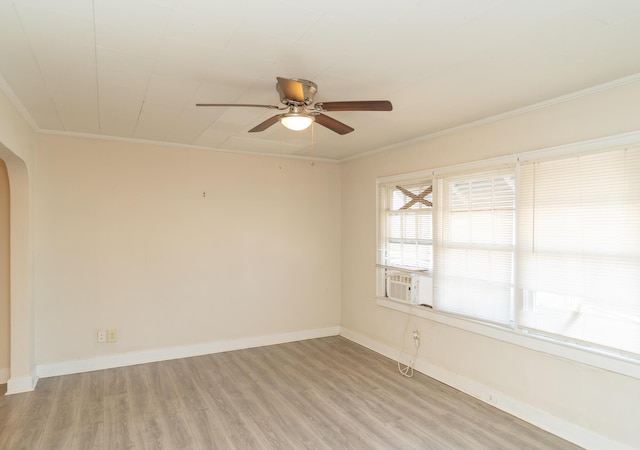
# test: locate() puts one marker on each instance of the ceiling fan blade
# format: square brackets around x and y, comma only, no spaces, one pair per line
[332,124]
[266,124]
[238,104]
[364,105]
[292,89]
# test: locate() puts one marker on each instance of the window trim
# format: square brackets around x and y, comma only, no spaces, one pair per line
[593,356]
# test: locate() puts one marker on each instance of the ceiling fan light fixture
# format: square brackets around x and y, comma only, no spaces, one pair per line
[296,122]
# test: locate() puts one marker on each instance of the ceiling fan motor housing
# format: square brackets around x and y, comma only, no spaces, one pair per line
[309,89]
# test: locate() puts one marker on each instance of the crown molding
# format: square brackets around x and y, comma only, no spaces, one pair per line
[502,116]
[180,145]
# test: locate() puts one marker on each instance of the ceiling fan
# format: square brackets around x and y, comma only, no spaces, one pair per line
[297,96]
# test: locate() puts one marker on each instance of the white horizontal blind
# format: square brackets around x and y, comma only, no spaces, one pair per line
[579,248]
[474,255]
[408,228]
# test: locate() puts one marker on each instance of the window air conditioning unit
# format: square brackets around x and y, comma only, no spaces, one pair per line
[410,288]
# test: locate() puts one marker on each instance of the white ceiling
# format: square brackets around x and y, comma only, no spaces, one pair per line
[136,68]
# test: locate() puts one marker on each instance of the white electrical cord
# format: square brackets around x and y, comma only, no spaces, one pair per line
[407,369]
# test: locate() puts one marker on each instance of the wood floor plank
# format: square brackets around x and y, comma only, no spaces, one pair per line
[316,394]
[117,422]
[11,408]
[34,416]
[64,415]
[146,429]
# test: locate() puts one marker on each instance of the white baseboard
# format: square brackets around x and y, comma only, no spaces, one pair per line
[562,428]
[22,384]
[164,354]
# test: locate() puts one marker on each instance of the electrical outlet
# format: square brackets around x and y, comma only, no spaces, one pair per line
[102,336]
[112,335]
[416,338]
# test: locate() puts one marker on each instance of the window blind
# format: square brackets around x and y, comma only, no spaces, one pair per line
[579,248]
[474,253]
[408,229]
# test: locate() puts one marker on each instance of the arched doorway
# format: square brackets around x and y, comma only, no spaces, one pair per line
[22,375]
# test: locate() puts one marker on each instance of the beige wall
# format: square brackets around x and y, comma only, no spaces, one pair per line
[4,274]
[127,240]
[592,399]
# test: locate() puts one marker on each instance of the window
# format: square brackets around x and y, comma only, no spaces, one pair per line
[579,241]
[475,244]
[405,249]
[542,246]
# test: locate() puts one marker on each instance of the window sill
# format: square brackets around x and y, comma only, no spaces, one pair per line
[614,363]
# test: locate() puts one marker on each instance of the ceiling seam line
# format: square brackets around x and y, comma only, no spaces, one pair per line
[35,58]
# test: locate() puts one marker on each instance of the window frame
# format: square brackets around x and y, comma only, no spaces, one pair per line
[596,356]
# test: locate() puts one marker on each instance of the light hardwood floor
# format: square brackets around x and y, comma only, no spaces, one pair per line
[320,393]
